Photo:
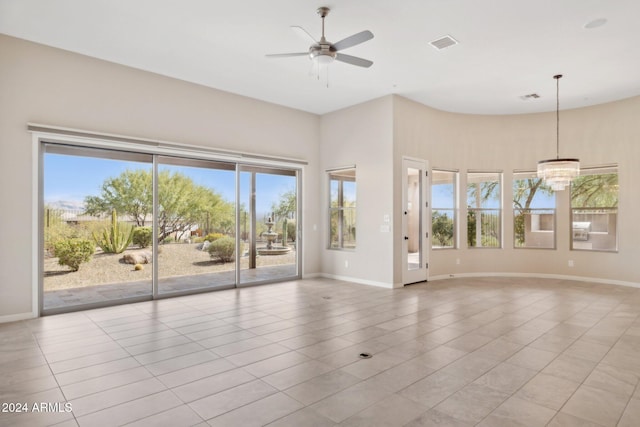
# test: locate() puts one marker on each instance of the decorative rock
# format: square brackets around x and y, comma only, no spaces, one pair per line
[138,258]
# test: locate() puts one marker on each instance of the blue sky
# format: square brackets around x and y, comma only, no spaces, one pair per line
[72,178]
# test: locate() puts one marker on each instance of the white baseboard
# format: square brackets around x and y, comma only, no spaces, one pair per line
[541,276]
[356,280]
[16,317]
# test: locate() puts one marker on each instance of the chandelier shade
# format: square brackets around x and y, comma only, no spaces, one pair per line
[558,173]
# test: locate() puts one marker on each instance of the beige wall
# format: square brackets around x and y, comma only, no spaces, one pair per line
[598,135]
[361,136]
[50,86]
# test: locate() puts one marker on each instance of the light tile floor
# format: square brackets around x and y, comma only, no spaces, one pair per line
[459,352]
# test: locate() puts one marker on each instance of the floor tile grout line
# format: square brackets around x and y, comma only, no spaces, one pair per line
[399,309]
[598,363]
[540,370]
[55,378]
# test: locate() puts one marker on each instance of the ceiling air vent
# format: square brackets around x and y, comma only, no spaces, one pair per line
[443,42]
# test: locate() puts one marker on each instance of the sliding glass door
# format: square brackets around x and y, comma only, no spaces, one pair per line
[196,224]
[94,202]
[122,226]
[268,224]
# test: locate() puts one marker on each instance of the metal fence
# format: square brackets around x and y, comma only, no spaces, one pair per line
[53,217]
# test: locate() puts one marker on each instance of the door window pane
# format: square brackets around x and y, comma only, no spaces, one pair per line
[268,224]
[414,218]
[94,202]
[196,224]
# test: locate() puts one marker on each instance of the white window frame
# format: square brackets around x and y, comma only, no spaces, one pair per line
[583,236]
[341,175]
[499,210]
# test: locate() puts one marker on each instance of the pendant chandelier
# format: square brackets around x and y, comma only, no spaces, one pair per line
[558,173]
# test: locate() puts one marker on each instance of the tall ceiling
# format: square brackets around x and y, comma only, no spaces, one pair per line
[507,48]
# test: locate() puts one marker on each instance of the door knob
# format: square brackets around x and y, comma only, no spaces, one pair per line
[406,238]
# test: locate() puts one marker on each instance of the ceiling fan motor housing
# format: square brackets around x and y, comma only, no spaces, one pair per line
[322,52]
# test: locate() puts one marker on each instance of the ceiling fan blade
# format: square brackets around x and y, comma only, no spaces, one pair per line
[303,33]
[286,55]
[353,60]
[353,40]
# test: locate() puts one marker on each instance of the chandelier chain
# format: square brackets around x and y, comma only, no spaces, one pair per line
[558,77]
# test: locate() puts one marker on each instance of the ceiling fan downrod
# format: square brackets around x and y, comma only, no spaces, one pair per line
[323,12]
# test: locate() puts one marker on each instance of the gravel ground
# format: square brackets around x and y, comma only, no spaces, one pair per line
[177,259]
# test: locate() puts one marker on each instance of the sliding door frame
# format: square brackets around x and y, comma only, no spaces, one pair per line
[42,135]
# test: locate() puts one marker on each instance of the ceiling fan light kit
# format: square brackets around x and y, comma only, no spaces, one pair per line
[558,173]
[323,52]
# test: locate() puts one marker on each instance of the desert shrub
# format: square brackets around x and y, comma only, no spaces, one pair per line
[196,239]
[55,233]
[212,237]
[86,229]
[142,236]
[138,267]
[73,252]
[224,249]
[116,238]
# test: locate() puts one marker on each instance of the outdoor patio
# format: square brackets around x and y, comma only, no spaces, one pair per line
[110,292]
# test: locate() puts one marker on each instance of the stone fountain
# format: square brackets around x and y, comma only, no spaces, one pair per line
[271,237]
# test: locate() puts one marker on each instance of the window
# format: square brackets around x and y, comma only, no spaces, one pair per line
[534,212]
[444,189]
[484,210]
[594,209]
[342,209]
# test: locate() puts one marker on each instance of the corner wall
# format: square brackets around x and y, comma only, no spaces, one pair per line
[361,135]
[50,86]
[598,135]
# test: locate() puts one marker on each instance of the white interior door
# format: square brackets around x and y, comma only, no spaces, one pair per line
[415,235]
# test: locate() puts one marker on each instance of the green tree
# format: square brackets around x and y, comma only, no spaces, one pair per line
[286,206]
[524,191]
[480,192]
[129,193]
[284,211]
[442,229]
[595,191]
[182,203]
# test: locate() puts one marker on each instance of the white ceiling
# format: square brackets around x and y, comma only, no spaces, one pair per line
[507,48]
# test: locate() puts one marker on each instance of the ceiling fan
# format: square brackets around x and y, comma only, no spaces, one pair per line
[324,52]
